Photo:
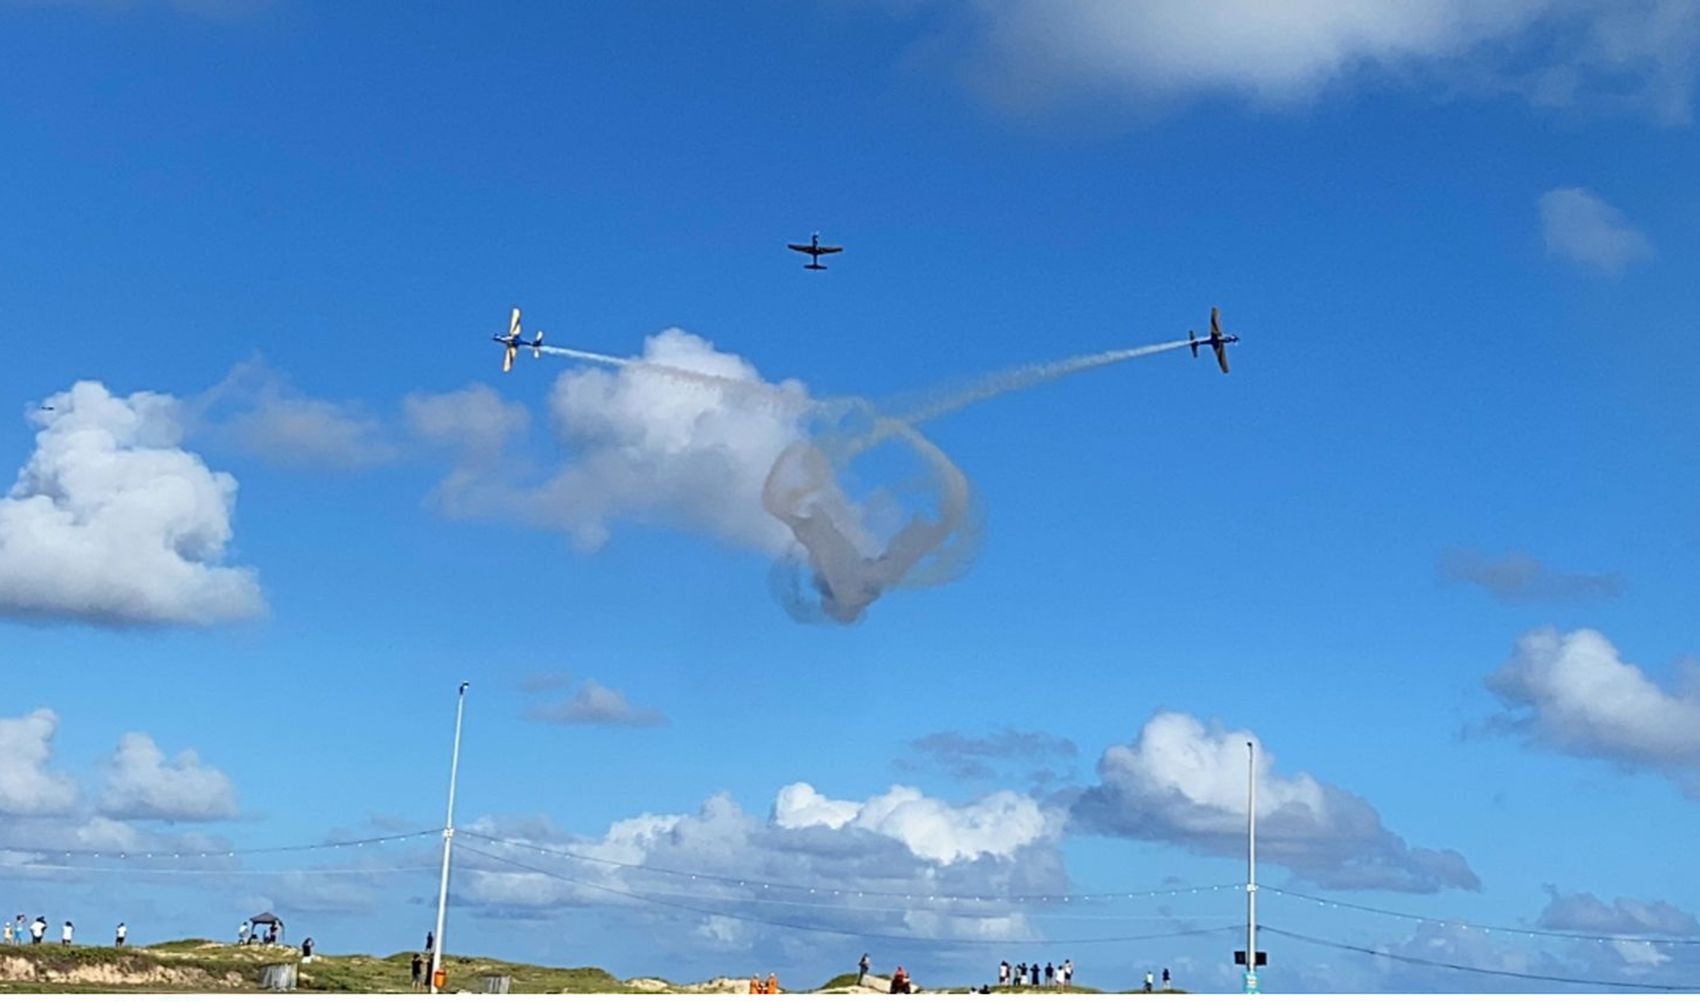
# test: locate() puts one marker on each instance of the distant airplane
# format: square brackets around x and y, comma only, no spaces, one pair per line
[1217,340]
[814,249]
[514,342]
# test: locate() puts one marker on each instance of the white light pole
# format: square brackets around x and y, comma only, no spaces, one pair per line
[448,842]
[1251,870]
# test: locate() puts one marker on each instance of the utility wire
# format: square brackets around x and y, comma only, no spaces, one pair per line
[1556,978]
[210,853]
[143,871]
[906,895]
[1482,926]
[803,927]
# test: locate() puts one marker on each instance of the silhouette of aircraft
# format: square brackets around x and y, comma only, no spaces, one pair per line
[814,249]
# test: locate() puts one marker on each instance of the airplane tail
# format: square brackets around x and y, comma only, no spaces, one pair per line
[1192,339]
[537,345]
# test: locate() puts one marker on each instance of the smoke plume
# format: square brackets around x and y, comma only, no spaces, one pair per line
[686,434]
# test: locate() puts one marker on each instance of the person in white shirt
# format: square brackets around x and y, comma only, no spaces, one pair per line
[123,931]
[38,929]
[65,934]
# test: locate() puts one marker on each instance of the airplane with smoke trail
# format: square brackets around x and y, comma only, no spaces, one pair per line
[1217,340]
[512,342]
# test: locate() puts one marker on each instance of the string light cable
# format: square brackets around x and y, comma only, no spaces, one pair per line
[765,884]
[1594,937]
[212,853]
[1448,965]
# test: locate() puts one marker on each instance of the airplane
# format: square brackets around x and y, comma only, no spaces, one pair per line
[1217,340]
[814,249]
[514,342]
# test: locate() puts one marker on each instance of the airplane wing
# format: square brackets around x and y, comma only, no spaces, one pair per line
[1215,322]
[801,248]
[513,324]
[824,249]
[1221,355]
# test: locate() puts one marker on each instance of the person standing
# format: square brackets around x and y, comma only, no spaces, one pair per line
[418,971]
[1003,973]
[1068,973]
[242,933]
[1167,984]
[6,937]
[1148,980]
[1021,973]
[38,930]
[307,950]
[66,933]
[430,940]
[862,970]
[119,936]
[772,984]
[1033,974]
[1050,973]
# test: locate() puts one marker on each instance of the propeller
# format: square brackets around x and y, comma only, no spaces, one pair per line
[508,358]
[513,324]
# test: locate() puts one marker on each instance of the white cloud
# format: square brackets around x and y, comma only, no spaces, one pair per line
[997,825]
[1551,52]
[595,703]
[255,409]
[1580,226]
[1185,783]
[648,444]
[111,522]
[475,421]
[1575,694]
[894,845]
[142,783]
[1583,912]
[27,786]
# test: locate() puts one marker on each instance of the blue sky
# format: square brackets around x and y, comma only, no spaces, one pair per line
[1453,238]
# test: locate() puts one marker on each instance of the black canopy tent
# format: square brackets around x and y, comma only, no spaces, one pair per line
[267,919]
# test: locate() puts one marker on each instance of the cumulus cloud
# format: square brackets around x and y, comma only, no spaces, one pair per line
[1581,227]
[256,409]
[1184,783]
[593,704]
[897,849]
[110,521]
[1583,912]
[1638,55]
[475,422]
[142,783]
[997,825]
[964,756]
[1519,577]
[27,786]
[1573,693]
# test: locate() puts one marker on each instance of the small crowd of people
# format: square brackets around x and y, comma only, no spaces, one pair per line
[768,987]
[1168,985]
[13,933]
[1051,975]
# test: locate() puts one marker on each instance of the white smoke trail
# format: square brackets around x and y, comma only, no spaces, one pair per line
[733,383]
[937,403]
